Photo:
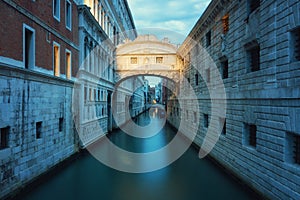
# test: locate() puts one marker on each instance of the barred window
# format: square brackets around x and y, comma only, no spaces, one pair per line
[296,43]
[293,148]
[297,149]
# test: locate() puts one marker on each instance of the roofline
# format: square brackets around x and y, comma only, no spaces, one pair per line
[130,14]
[203,18]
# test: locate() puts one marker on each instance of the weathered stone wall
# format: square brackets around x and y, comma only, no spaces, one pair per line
[29,97]
[267,98]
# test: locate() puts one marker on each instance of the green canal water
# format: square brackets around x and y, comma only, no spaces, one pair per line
[188,178]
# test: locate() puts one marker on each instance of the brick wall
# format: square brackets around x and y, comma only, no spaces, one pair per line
[44,25]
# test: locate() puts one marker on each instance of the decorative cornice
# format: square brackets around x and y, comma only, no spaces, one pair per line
[204,22]
[26,74]
[85,10]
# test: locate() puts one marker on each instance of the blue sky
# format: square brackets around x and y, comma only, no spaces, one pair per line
[167,18]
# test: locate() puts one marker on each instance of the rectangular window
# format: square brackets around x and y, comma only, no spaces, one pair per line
[253,5]
[56,9]
[205,120]
[293,148]
[68,64]
[196,79]
[208,75]
[99,13]
[195,117]
[85,94]
[94,8]
[253,58]
[102,18]
[250,135]
[296,44]
[28,47]
[296,148]
[68,15]
[225,22]
[208,38]
[133,60]
[60,124]
[4,137]
[159,59]
[224,69]
[90,94]
[56,59]
[223,126]
[38,130]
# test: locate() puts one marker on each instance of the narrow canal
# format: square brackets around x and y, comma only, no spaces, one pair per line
[188,178]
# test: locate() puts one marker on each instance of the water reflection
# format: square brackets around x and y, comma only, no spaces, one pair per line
[145,145]
[187,178]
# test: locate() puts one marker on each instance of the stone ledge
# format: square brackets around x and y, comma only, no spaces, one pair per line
[25,74]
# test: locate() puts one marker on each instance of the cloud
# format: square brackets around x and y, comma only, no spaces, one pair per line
[174,15]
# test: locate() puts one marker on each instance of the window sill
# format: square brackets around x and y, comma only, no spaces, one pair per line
[69,28]
[250,148]
[56,18]
[292,166]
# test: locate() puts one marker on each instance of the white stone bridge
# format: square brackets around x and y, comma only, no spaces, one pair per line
[146,55]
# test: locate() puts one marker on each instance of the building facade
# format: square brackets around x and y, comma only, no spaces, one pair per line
[255,46]
[101,28]
[38,65]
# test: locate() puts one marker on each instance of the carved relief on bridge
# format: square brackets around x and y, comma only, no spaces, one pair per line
[148,56]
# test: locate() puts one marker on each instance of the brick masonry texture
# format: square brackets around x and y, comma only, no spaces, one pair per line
[268,98]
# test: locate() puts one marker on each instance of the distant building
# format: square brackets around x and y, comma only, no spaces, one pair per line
[158,95]
[38,63]
[152,94]
[255,45]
